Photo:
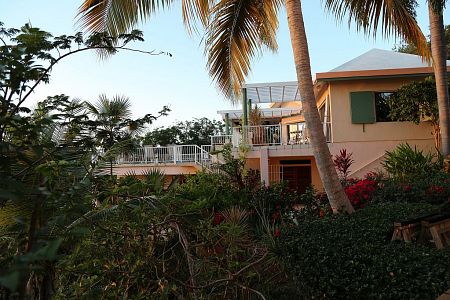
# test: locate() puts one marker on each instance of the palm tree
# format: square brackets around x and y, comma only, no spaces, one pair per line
[237,30]
[439,53]
[112,124]
[366,15]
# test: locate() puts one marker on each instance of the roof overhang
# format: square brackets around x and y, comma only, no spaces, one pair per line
[266,113]
[273,92]
[345,75]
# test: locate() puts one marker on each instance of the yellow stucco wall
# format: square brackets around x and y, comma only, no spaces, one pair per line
[343,129]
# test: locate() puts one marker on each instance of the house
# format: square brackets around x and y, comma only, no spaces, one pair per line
[352,104]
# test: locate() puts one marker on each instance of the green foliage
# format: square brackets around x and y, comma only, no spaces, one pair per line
[412,49]
[352,257]
[404,162]
[434,189]
[414,102]
[194,132]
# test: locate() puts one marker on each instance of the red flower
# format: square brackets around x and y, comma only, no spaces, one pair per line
[321,214]
[406,188]
[361,192]
[436,189]
[277,232]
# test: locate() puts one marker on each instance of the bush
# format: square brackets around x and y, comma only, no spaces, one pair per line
[405,162]
[352,257]
[434,189]
[361,192]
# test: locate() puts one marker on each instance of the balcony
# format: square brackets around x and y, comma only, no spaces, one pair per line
[267,135]
[177,154]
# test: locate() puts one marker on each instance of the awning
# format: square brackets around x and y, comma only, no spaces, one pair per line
[266,113]
[273,92]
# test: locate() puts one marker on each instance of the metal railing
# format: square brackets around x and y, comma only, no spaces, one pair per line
[258,135]
[267,135]
[221,139]
[167,155]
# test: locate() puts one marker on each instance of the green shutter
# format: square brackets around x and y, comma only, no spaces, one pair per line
[363,107]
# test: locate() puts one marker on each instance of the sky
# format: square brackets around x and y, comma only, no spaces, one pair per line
[182,81]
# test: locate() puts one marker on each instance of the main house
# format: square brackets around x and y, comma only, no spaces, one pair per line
[352,103]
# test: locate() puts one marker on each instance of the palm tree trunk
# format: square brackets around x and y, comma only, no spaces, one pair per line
[335,192]
[438,51]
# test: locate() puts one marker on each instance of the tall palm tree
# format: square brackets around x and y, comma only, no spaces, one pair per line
[366,15]
[236,31]
[439,53]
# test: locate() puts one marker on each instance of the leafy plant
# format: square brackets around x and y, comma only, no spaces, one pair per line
[415,102]
[405,162]
[343,162]
[352,257]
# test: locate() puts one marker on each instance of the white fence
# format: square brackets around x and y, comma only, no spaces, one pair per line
[167,155]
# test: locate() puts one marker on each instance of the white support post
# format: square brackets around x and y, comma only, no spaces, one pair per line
[264,165]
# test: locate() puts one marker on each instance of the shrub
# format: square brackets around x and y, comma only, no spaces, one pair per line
[352,257]
[343,162]
[434,189]
[361,192]
[405,162]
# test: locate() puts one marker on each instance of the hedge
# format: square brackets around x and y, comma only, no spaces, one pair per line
[352,257]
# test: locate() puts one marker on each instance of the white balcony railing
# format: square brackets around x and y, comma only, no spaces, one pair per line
[221,139]
[268,135]
[167,155]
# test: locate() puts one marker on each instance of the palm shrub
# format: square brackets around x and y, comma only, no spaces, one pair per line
[406,162]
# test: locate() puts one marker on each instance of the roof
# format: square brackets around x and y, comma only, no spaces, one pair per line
[373,63]
[377,59]
[377,62]
[273,92]
[266,113]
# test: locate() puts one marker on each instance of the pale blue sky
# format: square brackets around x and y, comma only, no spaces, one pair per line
[181,81]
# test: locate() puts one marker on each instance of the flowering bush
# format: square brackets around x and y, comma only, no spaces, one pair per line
[361,192]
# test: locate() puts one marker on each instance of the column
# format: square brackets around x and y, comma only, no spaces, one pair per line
[264,165]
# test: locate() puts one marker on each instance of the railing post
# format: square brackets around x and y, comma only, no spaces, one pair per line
[174,155]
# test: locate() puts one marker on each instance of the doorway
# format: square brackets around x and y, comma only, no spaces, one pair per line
[298,177]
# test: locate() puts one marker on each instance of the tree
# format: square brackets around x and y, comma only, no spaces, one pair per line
[237,31]
[194,132]
[46,165]
[415,102]
[28,55]
[439,51]
[113,125]
[412,49]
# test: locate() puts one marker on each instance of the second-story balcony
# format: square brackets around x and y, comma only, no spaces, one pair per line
[268,135]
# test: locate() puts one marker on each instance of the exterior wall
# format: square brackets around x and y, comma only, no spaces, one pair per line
[168,170]
[343,129]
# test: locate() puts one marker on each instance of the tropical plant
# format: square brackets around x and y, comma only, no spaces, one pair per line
[404,162]
[113,124]
[343,161]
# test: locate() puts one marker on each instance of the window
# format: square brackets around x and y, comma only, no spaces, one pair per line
[370,107]
[382,106]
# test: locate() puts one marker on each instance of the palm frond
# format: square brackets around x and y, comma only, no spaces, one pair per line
[396,18]
[116,16]
[239,30]
[194,11]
